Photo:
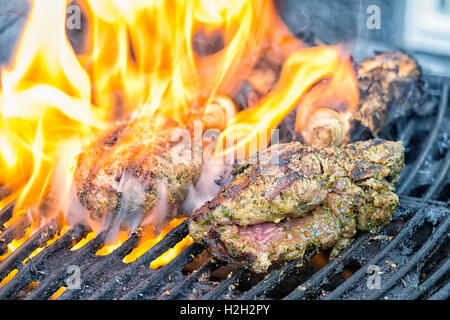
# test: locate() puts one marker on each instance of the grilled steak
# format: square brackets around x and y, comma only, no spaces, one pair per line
[313,198]
[134,166]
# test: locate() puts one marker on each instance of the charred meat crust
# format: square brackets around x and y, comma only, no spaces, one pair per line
[215,244]
[135,164]
[389,86]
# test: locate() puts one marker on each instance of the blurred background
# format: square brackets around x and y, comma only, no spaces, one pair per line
[419,27]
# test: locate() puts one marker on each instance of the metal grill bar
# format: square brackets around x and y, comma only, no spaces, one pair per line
[86,258]
[332,268]
[148,287]
[171,239]
[273,279]
[104,268]
[6,213]
[223,287]
[433,243]
[180,291]
[81,257]
[31,270]
[439,182]
[430,282]
[407,181]
[442,294]
[406,135]
[37,240]
[411,225]
[15,231]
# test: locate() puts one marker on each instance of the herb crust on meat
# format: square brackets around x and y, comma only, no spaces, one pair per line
[294,198]
[135,165]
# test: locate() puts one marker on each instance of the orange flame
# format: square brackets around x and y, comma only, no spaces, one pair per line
[141,58]
[250,130]
[338,93]
[45,111]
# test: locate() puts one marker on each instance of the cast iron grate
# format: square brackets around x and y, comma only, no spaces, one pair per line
[411,254]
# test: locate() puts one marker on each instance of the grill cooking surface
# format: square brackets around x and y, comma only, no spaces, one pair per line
[411,254]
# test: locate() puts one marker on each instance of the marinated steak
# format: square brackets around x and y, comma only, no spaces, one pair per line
[293,198]
[135,165]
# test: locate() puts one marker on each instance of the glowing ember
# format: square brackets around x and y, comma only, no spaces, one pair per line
[110,247]
[49,242]
[167,256]
[8,277]
[57,293]
[148,240]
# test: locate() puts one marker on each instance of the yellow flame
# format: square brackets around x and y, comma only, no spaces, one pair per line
[167,256]
[139,59]
[250,130]
[148,240]
[9,277]
[110,247]
[57,293]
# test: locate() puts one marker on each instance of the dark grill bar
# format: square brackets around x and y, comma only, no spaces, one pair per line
[412,172]
[434,242]
[38,268]
[411,252]
[130,275]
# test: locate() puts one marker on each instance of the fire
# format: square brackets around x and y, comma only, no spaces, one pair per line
[14,245]
[252,127]
[45,112]
[331,100]
[153,59]
[110,247]
[149,239]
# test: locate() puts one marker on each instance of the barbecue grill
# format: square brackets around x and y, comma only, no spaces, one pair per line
[411,253]
[409,258]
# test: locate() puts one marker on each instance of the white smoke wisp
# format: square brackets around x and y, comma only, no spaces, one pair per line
[76,214]
[160,211]
[131,207]
[207,186]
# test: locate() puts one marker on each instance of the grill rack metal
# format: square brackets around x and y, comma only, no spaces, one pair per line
[424,210]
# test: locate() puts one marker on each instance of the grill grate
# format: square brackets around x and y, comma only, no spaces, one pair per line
[416,242]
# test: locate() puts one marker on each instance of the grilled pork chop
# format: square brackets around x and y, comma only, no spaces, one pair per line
[133,167]
[314,198]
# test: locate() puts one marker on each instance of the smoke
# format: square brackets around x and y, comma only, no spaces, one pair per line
[131,207]
[208,186]
[78,214]
[160,211]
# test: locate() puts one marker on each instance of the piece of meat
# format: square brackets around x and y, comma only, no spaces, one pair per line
[389,85]
[134,167]
[297,197]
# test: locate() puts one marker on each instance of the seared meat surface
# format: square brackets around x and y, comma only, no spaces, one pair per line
[389,84]
[292,198]
[135,166]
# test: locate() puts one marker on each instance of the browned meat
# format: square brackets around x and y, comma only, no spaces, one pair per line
[135,166]
[313,198]
[389,83]
[389,87]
